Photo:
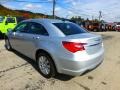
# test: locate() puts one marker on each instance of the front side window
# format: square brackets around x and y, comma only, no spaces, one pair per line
[10,20]
[69,28]
[22,27]
[36,28]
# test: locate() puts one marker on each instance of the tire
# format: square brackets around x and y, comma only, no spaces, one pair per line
[46,65]
[1,35]
[95,30]
[7,44]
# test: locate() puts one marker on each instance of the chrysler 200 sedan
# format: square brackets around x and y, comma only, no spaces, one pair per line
[57,46]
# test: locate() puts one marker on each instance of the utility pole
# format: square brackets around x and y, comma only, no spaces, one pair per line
[54,2]
[67,16]
[100,15]
[92,17]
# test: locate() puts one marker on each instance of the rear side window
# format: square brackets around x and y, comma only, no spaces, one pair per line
[36,28]
[70,28]
[10,20]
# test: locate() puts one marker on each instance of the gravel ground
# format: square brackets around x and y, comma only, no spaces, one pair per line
[20,73]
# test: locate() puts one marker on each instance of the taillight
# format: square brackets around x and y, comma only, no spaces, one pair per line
[73,46]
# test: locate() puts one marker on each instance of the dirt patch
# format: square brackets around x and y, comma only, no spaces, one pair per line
[83,86]
[90,77]
[107,37]
[104,83]
[38,86]
[14,67]
[1,76]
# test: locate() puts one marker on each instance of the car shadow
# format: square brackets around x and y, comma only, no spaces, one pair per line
[86,72]
[1,39]
[61,77]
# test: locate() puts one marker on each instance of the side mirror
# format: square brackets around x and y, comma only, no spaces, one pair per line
[9,30]
[6,23]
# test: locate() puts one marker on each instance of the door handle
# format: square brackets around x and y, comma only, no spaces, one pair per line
[20,35]
[36,37]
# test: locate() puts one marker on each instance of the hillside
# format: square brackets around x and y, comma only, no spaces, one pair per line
[4,11]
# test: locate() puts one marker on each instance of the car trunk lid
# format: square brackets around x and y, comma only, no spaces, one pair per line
[92,42]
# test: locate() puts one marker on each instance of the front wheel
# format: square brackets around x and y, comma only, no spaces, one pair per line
[46,65]
[7,44]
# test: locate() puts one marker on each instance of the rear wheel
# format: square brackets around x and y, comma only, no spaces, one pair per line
[7,44]
[46,65]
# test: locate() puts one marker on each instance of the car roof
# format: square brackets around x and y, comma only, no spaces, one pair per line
[46,20]
[47,23]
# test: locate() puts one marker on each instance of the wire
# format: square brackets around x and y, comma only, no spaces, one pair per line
[26,1]
[73,10]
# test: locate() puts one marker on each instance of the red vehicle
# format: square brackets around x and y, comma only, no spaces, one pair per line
[92,26]
[110,27]
[117,28]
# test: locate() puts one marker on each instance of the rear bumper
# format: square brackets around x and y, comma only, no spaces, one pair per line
[83,67]
[75,68]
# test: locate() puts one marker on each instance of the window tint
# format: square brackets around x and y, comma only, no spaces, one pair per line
[35,28]
[22,27]
[10,20]
[69,28]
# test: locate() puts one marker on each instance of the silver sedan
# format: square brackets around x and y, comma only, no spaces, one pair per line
[56,46]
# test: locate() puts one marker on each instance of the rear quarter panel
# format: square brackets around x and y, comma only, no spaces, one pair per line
[52,46]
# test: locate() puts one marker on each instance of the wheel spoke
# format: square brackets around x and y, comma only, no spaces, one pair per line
[44,65]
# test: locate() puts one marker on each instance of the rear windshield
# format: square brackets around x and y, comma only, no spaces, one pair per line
[1,19]
[70,28]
